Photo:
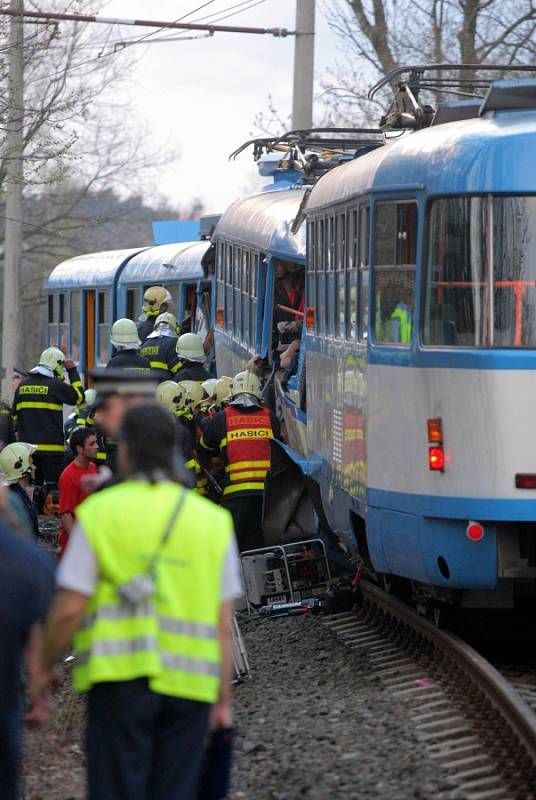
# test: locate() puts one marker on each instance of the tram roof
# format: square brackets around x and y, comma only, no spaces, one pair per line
[166,262]
[494,153]
[89,270]
[263,221]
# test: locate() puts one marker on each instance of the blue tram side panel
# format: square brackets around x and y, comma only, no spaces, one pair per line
[86,294]
[424,251]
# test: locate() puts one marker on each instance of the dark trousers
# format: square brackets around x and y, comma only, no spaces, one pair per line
[247,517]
[10,752]
[142,745]
[48,467]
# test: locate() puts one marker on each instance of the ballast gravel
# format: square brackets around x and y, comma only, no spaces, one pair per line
[314,723]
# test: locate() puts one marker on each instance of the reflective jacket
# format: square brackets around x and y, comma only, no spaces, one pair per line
[161,354]
[130,361]
[242,435]
[38,409]
[172,637]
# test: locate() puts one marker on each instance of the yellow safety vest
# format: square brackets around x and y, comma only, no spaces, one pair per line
[171,638]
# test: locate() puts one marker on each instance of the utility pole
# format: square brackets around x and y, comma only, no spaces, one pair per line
[13,193]
[304,52]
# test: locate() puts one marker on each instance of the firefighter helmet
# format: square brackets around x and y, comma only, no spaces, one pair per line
[169,393]
[194,390]
[53,359]
[190,348]
[90,395]
[167,318]
[210,387]
[223,390]
[15,461]
[154,297]
[125,334]
[246,383]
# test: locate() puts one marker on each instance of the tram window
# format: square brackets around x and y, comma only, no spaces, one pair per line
[477,296]
[363,274]
[254,267]
[52,319]
[102,324]
[75,326]
[340,287]
[133,307]
[394,271]
[245,296]
[64,322]
[320,324]
[237,280]
[330,277]
[350,298]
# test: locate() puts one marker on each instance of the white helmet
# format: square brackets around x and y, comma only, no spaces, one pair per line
[223,390]
[167,318]
[15,460]
[90,395]
[169,394]
[210,387]
[246,383]
[190,347]
[194,390]
[125,334]
[154,297]
[53,359]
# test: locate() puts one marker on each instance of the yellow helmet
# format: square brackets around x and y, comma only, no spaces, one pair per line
[90,395]
[190,347]
[53,359]
[223,390]
[210,387]
[125,334]
[246,383]
[169,393]
[154,297]
[194,390]
[15,460]
[167,318]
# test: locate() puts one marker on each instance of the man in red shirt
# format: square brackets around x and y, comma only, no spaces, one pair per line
[83,443]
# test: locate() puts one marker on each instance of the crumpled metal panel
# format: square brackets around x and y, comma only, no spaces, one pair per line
[263,221]
[178,261]
[89,270]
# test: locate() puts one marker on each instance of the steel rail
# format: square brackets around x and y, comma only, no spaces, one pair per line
[515,711]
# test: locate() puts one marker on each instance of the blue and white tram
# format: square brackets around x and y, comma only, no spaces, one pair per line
[420,357]
[86,294]
[251,236]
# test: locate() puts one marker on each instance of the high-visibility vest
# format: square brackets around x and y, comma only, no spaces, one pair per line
[172,637]
[247,443]
[403,315]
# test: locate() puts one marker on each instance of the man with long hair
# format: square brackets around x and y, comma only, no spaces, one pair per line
[147,585]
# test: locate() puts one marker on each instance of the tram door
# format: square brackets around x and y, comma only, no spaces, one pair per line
[89,335]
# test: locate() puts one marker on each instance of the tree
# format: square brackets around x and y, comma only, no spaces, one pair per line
[380,35]
[80,139]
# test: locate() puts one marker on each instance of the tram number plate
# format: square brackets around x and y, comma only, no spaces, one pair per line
[277,598]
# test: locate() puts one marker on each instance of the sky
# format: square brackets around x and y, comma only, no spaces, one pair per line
[203,95]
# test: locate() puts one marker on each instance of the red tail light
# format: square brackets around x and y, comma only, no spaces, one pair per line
[525,481]
[436,459]
[475,531]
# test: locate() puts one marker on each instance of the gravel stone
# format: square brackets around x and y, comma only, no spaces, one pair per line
[328,729]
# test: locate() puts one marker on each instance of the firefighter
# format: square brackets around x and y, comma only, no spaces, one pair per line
[17,467]
[38,410]
[125,340]
[242,434]
[160,347]
[83,418]
[223,393]
[191,352]
[156,301]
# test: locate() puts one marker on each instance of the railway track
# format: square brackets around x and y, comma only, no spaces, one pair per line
[471,720]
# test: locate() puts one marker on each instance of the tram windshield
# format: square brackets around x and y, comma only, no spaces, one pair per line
[480,283]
